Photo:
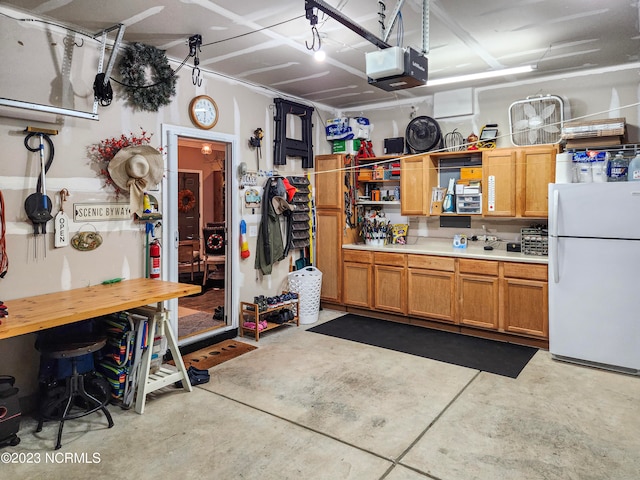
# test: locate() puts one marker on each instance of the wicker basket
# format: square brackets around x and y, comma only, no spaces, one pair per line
[307,283]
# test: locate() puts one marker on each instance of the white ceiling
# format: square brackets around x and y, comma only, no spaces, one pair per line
[263,43]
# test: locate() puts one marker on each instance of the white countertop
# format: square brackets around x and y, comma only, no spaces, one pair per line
[444,247]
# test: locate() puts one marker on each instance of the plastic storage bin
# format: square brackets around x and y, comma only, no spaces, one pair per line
[307,283]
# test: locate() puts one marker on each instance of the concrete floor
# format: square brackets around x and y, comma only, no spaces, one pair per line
[309,406]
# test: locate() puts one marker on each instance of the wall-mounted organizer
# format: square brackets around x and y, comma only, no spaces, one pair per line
[300,216]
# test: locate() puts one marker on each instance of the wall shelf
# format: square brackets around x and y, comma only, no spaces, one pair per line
[380,202]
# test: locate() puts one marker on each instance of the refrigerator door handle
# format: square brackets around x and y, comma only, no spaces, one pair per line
[553,254]
[554,212]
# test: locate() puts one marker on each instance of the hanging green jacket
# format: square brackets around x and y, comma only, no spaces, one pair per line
[269,247]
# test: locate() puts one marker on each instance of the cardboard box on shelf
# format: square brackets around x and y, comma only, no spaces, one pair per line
[605,127]
[594,142]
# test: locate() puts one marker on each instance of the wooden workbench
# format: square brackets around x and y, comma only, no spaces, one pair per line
[40,312]
[33,314]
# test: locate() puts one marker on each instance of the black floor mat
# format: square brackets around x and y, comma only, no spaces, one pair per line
[501,358]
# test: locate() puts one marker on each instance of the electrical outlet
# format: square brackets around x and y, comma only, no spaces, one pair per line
[253,230]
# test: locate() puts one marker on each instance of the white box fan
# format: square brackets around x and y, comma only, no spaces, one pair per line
[536,120]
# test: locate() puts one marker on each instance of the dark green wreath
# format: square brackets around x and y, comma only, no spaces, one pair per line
[143,94]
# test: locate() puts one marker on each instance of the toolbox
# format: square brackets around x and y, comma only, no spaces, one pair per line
[9,412]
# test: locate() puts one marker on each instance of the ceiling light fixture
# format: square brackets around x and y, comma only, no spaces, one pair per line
[206,149]
[319,55]
[481,75]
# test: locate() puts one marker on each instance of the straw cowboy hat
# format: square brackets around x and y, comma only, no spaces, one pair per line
[136,169]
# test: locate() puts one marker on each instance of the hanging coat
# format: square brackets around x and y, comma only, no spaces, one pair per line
[270,247]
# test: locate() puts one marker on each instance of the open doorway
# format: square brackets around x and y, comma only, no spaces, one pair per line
[171,135]
[201,235]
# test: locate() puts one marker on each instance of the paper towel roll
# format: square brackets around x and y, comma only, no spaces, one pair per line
[564,167]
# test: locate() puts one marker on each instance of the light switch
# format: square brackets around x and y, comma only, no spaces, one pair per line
[253,230]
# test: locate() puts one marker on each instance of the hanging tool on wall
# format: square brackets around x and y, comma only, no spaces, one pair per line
[38,204]
[256,142]
[349,194]
[61,223]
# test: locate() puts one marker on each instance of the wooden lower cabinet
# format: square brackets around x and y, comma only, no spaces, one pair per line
[503,297]
[390,282]
[525,300]
[478,290]
[390,289]
[357,291]
[431,287]
[357,278]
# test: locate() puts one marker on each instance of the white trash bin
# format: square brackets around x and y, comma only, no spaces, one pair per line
[307,283]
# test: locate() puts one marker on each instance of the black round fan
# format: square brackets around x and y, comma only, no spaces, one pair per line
[423,134]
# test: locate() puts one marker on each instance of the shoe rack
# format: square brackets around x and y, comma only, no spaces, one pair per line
[253,313]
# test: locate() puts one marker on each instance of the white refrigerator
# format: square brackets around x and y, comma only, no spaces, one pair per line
[594,274]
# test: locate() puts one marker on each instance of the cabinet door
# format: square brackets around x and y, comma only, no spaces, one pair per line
[478,301]
[536,169]
[526,309]
[328,256]
[357,286]
[390,289]
[499,195]
[329,180]
[415,189]
[431,294]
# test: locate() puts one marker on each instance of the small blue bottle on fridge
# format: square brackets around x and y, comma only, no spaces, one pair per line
[618,168]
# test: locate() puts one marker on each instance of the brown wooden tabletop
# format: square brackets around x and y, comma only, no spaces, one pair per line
[33,314]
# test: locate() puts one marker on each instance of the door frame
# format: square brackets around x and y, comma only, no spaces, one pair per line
[170,134]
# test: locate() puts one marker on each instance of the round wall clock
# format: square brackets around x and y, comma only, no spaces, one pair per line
[203,111]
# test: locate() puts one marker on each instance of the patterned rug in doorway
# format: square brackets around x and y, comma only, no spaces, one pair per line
[196,323]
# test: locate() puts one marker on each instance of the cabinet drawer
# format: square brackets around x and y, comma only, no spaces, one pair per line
[357,256]
[447,264]
[480,267]
[384,258]
[525,270]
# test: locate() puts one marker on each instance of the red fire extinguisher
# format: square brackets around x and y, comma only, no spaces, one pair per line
[154,254]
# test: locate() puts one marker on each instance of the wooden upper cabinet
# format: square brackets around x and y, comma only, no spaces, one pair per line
[536,170]
[329,181]
[517,180]
[499,183]
[416,178]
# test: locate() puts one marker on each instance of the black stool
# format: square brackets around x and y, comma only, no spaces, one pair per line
[60,402]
